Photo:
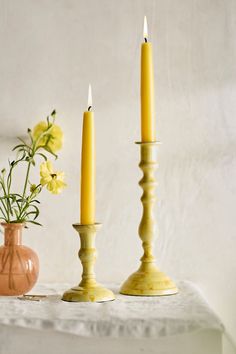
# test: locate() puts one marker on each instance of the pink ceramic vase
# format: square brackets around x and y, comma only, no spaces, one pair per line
[19,265]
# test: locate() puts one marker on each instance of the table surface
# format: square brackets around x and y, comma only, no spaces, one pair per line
[127,316]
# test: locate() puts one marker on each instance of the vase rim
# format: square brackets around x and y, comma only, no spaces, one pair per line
[12,223]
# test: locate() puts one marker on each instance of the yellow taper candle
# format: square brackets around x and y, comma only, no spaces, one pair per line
[148,128]
[87,201]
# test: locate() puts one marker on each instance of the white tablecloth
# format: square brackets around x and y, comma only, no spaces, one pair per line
[152,324]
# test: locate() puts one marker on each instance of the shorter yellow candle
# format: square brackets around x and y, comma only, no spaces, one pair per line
[148,129]
[87,201]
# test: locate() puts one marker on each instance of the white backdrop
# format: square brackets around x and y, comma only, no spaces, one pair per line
[51,50]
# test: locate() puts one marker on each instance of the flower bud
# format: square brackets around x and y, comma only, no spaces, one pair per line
[33,188]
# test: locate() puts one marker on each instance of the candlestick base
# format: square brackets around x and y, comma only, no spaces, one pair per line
[86,294]
[148,281]
[88,290]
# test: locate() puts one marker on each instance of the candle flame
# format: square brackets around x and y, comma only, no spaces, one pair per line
[145,28]
[90,101]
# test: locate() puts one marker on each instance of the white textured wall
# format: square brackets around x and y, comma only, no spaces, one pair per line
[51,50]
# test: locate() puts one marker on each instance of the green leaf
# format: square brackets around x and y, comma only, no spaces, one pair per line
[50,151]
[15,194]
[24,143]
[34,222]
[18,146]
[43,156]
[36,210]
[16,213]
[32,213]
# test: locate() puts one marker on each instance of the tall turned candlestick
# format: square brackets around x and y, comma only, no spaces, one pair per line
[88,290]
[148,280]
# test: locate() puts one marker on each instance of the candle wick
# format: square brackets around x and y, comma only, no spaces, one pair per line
[145,39]
[90,107]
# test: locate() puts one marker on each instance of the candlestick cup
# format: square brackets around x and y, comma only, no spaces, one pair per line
[88,289]
[148,280]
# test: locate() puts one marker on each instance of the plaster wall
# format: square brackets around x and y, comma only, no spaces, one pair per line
[51,50]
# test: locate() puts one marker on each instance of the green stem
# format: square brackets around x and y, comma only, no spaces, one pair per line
[4,216]
[26,180]
[22,210]
[8,188]
[25,187]
[8,207]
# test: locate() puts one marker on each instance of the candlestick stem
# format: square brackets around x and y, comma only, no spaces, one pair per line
[88,290]
[148,280]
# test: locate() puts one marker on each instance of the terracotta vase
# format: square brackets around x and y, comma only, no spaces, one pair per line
[19,265]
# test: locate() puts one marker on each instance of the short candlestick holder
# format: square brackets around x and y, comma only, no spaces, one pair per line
[88,290]
[148,280]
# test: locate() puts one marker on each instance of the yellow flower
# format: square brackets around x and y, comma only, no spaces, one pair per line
[52,140]
[53,180]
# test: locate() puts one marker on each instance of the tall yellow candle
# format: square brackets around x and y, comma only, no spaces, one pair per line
[148,128]
[87,201]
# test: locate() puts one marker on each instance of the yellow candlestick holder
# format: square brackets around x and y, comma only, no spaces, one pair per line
[88,290]
[148,280]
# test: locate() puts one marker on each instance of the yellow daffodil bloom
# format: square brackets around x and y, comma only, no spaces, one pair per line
[52,140]
[53,180]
